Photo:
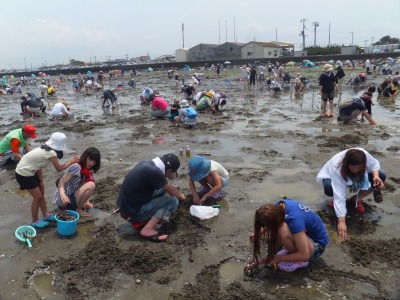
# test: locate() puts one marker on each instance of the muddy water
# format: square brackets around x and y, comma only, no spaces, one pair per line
[273,146]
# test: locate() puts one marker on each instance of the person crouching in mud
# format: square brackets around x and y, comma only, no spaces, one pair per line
[294,226]
[108,95]
[146,198]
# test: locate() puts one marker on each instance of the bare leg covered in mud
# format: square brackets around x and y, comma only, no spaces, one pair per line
[38,201]
[82,198]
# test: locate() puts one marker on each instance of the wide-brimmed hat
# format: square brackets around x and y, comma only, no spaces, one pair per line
[184,103]
[57,141]
[199,167]
[328,68]
[30,129]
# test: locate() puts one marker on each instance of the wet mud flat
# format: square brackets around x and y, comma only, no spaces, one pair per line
[273,146]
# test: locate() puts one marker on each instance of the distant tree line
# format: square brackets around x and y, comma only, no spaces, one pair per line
[318,50]
[387,40]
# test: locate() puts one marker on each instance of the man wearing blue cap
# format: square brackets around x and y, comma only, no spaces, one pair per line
[146,196]
[210,174]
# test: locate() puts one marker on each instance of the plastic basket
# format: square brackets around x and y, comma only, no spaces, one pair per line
[68,227]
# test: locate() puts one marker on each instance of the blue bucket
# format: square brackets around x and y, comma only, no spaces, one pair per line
[68,227]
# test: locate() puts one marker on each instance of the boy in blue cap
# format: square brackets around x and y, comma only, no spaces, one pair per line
[210,174]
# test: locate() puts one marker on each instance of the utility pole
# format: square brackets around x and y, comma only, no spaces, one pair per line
[315,24]
[276,34]
[183,35]
[372,43]
[352,36]
[226,31]
[234,30]
[25,62]
[329,38]
[219,32]
[303,33]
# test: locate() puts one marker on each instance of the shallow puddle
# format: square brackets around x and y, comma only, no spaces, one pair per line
[231,271]
[43,285]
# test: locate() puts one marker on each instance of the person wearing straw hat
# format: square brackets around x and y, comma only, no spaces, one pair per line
[210,174]
[15,143]
[146,197]
[327,86]
[29,174]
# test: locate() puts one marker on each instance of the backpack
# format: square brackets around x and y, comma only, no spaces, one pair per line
[191,113]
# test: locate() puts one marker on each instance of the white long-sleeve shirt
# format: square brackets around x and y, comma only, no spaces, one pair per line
[331,170]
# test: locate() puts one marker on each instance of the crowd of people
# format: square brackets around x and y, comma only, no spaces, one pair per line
[293,233]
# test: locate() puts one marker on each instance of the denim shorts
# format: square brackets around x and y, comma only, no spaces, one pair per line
[318,251]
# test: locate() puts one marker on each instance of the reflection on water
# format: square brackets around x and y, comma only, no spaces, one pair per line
[43,285]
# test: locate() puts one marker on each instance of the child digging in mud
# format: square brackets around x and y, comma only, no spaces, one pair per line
[29,174]
[210,174]
[293,225]
[78,183]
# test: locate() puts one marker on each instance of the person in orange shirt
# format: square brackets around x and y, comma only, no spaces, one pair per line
[15,143]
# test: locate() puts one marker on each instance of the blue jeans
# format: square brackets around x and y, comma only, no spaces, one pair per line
[327,183]
[161,206]
[318,251]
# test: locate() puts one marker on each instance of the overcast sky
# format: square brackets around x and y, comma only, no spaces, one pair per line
[46,32]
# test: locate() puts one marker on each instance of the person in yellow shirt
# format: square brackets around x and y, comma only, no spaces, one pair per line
[51,90]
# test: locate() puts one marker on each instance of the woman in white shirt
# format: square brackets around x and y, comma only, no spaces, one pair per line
[354,168]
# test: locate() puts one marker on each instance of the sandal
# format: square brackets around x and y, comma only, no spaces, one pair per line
[40,224]
[50,217]
[155,237]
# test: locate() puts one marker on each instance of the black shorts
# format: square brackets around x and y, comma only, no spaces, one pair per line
[27,183]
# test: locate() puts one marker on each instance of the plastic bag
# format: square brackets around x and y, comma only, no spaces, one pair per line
[203,212]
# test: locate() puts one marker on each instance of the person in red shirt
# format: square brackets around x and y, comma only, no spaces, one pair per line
[160,108]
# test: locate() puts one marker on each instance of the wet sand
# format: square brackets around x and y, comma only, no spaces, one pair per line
[273,146]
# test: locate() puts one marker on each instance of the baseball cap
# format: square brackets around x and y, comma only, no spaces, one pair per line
[30,129]
[171,162]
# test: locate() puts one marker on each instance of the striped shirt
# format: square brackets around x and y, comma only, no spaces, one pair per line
[71,186]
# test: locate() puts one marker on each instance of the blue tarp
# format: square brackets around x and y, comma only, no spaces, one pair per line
[310,64]
[150,69]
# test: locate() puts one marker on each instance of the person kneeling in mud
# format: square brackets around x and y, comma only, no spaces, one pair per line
[78,184]
[294,226]
[206,102]
[187,115]
[146,198]
[210,174]
[350,110]
[108,95]
[60,110]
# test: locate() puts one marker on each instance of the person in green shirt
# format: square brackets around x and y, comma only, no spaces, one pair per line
[15,143]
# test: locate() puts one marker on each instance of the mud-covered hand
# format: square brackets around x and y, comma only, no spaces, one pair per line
[342,228]
[251,269]
[196,199]
[64,199]
[378,182]
[41,187]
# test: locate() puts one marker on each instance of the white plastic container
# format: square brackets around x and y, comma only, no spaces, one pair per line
[203,212]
